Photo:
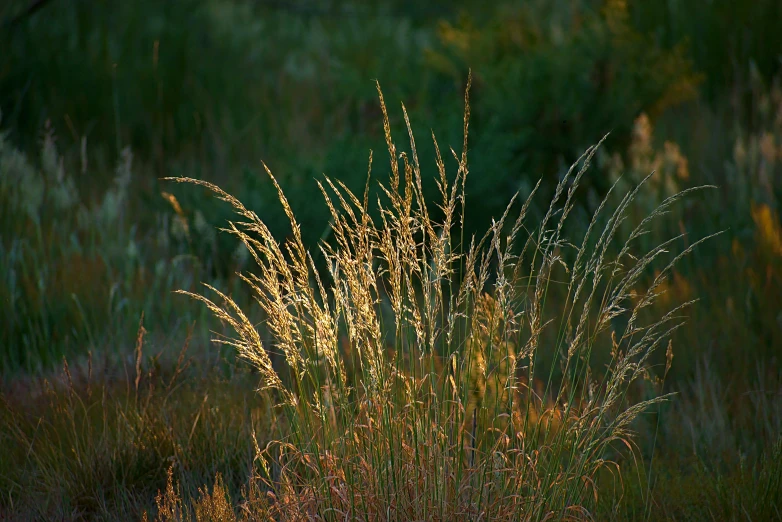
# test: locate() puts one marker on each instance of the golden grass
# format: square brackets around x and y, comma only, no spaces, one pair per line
[428,414]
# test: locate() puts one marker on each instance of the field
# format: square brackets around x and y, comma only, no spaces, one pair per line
[342,260]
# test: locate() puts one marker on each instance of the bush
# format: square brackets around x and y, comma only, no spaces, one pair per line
[550,79]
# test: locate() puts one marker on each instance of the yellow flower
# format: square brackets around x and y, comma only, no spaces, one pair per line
[768,228]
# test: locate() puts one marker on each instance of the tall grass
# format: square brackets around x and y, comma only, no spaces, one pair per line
[406,372]
[78,265]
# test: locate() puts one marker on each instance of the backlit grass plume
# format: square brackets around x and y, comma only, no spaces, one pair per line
[428,376]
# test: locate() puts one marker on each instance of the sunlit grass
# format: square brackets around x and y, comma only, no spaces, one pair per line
[435,420]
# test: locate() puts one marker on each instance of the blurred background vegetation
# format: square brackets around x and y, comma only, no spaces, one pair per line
[101,99]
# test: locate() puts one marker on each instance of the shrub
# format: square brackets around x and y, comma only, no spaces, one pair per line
[551,76]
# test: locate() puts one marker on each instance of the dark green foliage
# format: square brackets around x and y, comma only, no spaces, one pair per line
[722,36]
[189,86]
[550,82]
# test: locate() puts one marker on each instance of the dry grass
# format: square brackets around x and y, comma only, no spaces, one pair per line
[94,442]
[427,412]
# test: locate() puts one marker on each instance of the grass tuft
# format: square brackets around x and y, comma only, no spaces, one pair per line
[406,371]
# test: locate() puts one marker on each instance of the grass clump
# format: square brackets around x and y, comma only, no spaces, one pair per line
[424,375]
